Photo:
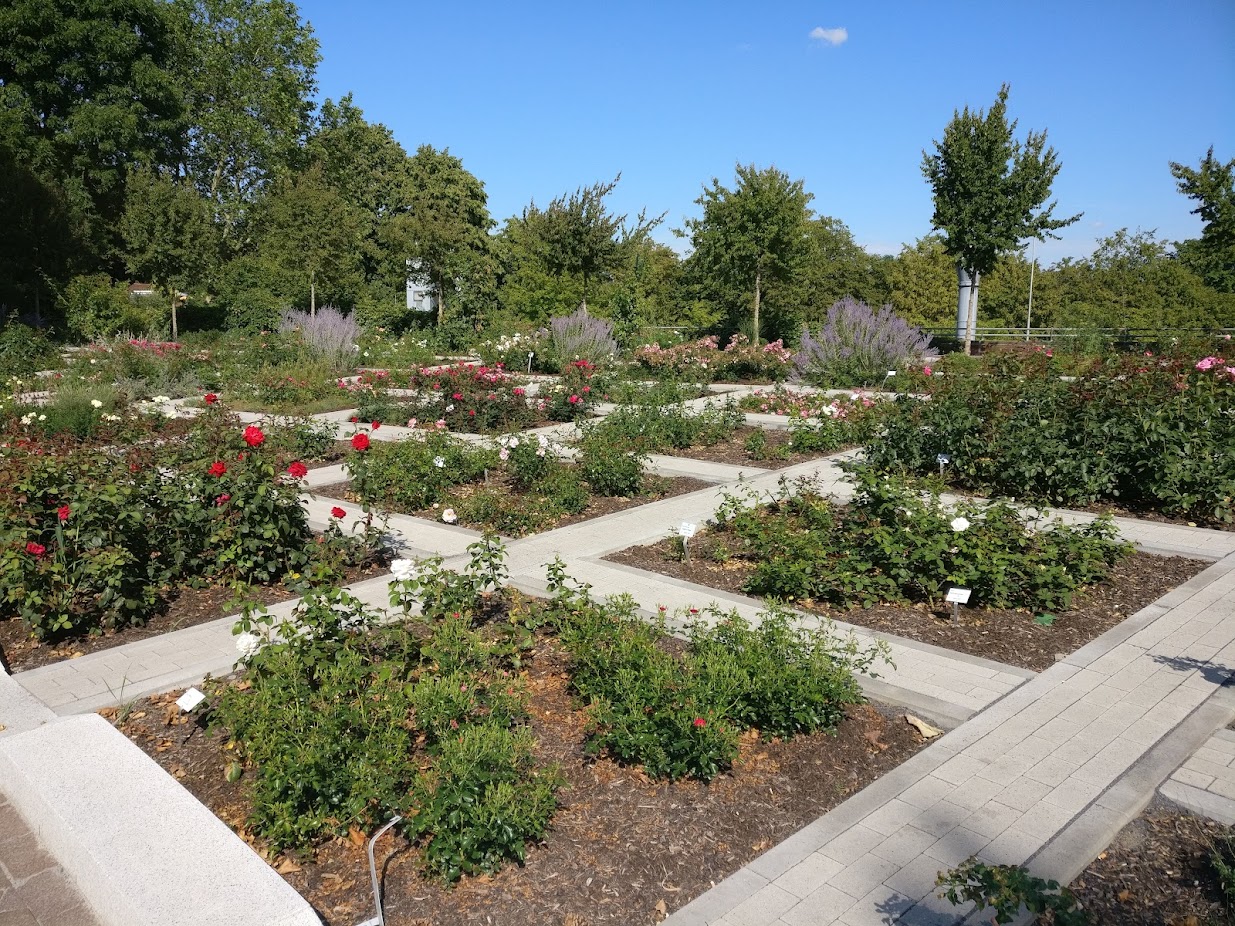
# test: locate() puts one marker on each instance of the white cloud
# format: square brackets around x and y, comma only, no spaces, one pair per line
[837,36]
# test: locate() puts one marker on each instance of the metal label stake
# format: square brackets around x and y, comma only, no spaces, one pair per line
[380,919]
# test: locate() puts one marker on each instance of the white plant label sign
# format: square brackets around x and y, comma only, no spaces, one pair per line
[958,595]
[190,699]
[686,529]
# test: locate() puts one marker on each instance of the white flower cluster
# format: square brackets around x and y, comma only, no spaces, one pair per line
[249,644]
[402,569]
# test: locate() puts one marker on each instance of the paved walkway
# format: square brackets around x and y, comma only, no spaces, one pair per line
[34,889]
[1040,769]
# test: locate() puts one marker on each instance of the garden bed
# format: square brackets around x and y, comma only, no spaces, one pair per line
[621,849]
[1006,635]
[657,489]
[1157,872]
[187,607]
[774,450]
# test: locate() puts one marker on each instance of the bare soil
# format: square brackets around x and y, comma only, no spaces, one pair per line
[622,849]
[775,454]
[1007,635]
[1157,872]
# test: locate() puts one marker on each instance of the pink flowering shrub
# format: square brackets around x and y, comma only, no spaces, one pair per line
[704,358]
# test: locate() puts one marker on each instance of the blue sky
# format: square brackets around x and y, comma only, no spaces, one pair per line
[540,98]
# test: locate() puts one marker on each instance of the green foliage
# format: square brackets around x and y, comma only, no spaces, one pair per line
[24,350]
[414,474]
[608,470]
[96,307]
[1212,185]
[1163,432]
[1005,889]
[680,715]
[891,544]
[657,428]
[748,237]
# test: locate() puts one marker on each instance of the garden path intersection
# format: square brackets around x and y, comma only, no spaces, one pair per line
[1036,768]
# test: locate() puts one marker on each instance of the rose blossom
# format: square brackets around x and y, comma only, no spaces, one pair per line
[297,470]
[217,468]
[360,441]
[337,512]
[253,436]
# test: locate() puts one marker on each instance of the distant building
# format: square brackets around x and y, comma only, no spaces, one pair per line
[142,290]
[420,294]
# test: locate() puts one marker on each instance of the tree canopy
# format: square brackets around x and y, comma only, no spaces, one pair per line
[1212,185]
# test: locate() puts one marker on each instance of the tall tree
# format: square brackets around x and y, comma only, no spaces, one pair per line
[833,266]
[750,236]
[1212,185]
[168,235]
[85,92]
[444,232]
[247,75]
[990,194]
[924,282]
[313,235]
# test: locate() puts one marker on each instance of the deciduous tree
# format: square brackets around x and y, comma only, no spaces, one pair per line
[1212,185]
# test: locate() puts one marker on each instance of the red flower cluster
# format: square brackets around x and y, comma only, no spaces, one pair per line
[222,499]
[337,512]
[35,549]
[700,722]
[253,436]
[211,398]
[360,441]
[297,470]
[63,512]
[217,468]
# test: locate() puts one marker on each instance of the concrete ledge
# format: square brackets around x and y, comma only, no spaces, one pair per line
[142,850]
[1201,803]
[20,711]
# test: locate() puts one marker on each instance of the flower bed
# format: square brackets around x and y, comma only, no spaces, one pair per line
[519,487]
[738,361]
[478,712]
[887,560]
[1142,433]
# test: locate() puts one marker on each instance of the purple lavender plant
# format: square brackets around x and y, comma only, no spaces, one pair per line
[582,337]
[858,345]
[330,334]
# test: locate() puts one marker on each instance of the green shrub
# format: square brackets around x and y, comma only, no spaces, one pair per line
[1005,889]
[96,307]
[413,474]
[891,544]
[24,351]
[607,469]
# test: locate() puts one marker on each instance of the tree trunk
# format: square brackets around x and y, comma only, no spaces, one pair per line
[758,294]
[313,295]
[441,303]
[175,324]
[585,292]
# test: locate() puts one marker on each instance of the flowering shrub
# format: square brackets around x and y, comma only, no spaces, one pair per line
[344,720]
[573,396]
[581,336]
[511,352]
[680,716]
[115,530]
[703,358]
[412,474]
[1142,432]
[329,335]
[654,429]
[858,345]
[891,544]
[466,397]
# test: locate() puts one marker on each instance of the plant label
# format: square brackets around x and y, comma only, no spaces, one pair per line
[190,699]
[958,595]
[943,459]
[686,529]
[891,372]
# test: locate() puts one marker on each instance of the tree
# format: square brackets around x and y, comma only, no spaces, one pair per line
[924,282]
[168,235]
[1212,185]
[85,92]
[444,231]
[311,233]
[247,76]
[750,236]
[832,267]
[990,192]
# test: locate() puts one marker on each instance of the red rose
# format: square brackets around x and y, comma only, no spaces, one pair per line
[35,549]
[222,499]
[63,512]
[360,441]
[211,398]
[253,436]
[457,396]
[297,470]
[700,722]
[337,512]
[376,425]
[574,400]
[217,468]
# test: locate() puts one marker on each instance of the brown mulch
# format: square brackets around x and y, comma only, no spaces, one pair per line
[776,454]
[186,607]
[1007,635]
[622,849]
[1157,872]
[657,489]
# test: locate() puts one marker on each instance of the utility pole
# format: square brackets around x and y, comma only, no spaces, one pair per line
[1033,262]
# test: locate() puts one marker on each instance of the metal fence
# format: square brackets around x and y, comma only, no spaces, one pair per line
[1117,336]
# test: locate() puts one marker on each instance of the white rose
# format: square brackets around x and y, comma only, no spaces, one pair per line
[449,516]
[249,644]
[960,524]
[402,569]
[95,403]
